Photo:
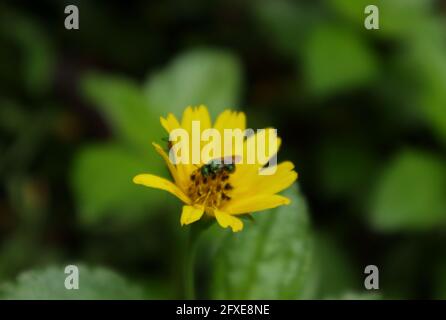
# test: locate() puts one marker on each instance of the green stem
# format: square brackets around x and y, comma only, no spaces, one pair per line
[189,266]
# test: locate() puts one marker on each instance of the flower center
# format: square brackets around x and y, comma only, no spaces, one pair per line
[210,189]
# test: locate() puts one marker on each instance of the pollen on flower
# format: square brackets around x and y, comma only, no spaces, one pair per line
[209,190]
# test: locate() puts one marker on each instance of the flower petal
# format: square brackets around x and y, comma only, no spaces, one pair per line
[251,152]
[272,184]
[230,120]
[279,181]
[226,220]
[202,114]
[190,115]
[152,181]
[181,179]
[254,183]
[163,154]
[199,113]
[191,214]
[169,123]
[257,202]
[264,136]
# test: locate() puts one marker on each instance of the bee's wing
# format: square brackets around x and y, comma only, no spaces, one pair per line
[231,159]
[227,160]
[237,159]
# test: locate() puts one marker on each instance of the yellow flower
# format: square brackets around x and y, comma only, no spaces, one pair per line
[228,195]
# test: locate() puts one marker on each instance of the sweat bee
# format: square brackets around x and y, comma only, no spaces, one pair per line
[212,180]
[217,166]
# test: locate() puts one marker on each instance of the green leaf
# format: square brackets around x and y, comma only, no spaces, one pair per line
[429,60]
[270,258]
[336,59]
[124,106]
[102,183]
[204,76]
[410,195]
[49,283]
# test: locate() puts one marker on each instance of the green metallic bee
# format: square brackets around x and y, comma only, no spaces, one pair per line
[217,166]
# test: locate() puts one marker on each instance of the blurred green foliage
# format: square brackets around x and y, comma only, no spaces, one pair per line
[49,284]
[336,58]
[112,165]
[270,259]
[362,115]
[411,193]
[201,76]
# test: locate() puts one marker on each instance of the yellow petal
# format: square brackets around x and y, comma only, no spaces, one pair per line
[272,184]
[179,179]
[226,220]
[152,181]
[254,203]
[191,214]
[200,113]
[230,120]
[262,140]
[254,183]
[281,167]
[170,123]
[279,181]
[250,152]
[192,114]
[186,119]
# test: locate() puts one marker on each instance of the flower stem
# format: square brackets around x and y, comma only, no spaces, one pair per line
[189,266]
